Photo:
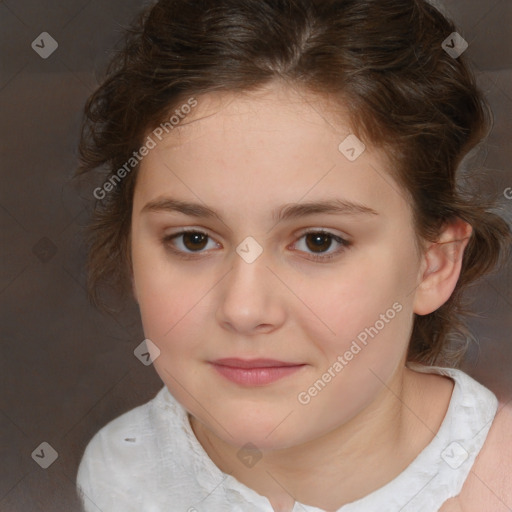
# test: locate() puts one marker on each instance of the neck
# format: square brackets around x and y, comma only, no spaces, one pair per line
[347,463]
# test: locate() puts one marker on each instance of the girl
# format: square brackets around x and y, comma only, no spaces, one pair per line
[281,199]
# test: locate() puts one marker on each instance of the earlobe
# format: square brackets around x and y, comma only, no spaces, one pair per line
[441,267]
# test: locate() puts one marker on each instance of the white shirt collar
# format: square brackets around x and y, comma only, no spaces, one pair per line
[150,460]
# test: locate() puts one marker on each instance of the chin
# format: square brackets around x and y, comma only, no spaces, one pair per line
[267,432]
[261,440]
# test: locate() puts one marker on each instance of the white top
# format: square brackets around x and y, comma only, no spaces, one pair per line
[149,460]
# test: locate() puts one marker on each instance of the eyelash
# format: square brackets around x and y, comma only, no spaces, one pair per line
[345,244]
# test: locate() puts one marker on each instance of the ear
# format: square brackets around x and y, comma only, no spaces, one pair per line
[440,268]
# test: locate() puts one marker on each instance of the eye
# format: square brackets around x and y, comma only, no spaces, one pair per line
[192,241]
[188,243]
[320,242]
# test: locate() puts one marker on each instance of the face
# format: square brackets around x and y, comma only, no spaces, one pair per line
[293,254]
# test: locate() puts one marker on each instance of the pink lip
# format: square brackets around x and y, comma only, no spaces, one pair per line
[254,372]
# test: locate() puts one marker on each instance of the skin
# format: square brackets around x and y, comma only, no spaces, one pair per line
[245,156]
[488,488]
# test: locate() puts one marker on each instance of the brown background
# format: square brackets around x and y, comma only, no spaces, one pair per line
[66,370]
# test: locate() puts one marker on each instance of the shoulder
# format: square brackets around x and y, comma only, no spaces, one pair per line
[113,456]
[494,465]
[488,487]
[117,434]
[107,447]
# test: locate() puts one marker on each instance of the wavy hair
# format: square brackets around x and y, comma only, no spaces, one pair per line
[381,59]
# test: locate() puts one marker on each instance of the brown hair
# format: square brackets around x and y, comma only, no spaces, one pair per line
[381,59]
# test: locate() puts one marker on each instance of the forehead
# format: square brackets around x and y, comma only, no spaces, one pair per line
[266,144]
[267,109]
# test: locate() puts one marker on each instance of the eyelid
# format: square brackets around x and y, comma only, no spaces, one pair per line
[328,231]
[343,240]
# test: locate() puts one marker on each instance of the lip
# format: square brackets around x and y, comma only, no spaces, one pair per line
[254,372]
[235,362]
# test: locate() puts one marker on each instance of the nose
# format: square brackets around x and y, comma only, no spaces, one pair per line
[251,300]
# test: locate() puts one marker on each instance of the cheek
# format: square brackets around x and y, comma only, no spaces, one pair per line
[342,306]
[167,297]
[172,311]
[366,321]
[363,354]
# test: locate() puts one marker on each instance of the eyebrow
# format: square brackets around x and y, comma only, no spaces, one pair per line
[286,212]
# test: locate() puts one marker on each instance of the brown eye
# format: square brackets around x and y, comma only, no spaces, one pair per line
[195,241]
[318,242]
[317,245]
[187,243]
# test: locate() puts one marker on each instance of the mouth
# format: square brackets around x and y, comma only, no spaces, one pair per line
[255,372]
